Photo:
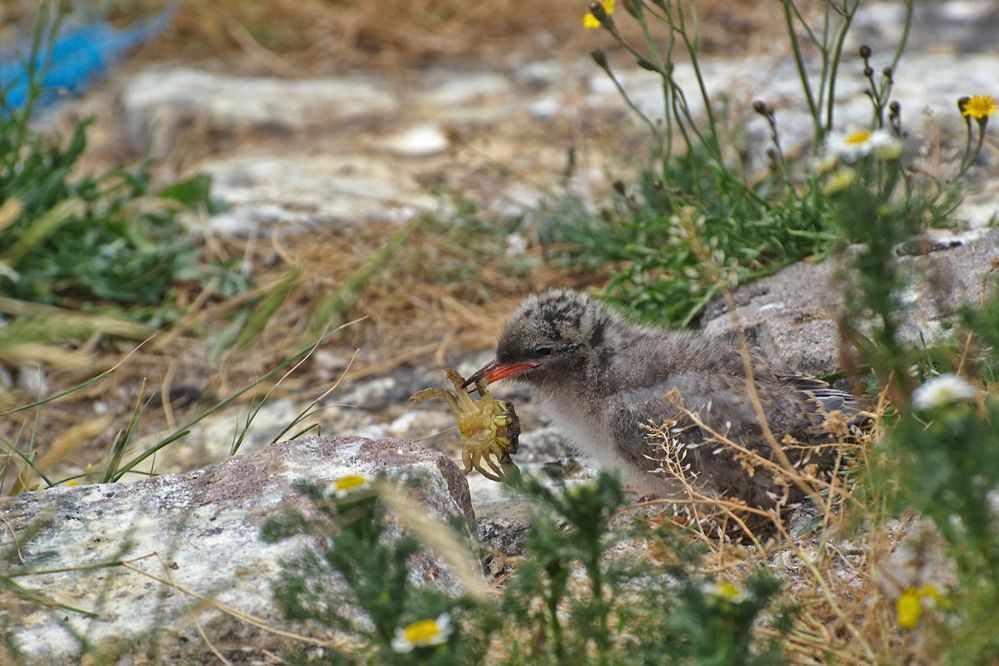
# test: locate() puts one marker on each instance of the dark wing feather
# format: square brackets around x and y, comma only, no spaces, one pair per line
[823,399]
[721,404]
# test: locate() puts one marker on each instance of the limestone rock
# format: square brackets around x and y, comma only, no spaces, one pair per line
[297,192]
[791,315]
[192,534]
[159,104]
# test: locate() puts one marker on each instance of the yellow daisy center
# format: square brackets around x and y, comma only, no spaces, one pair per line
[728,591]
[857,138]
[349,482]
[421,632]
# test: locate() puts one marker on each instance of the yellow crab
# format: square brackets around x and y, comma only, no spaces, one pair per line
[489,427]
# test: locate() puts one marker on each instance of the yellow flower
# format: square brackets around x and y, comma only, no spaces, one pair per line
[930,592]
[888,150]
[349,484]
[839,180]
[590,21]
[909,606]
[909,609]
[826,165]
[423,633]
[979,107]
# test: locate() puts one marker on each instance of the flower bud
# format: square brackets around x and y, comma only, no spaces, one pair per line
[865,52]
[599,57]
[598,11]
[645,64]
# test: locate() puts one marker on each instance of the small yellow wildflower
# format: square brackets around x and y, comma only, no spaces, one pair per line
[423,633]
[826,164]
[349,484]
[979,107]
[909,609]
[590,21]
[889,150]
[909,606]
[839,180]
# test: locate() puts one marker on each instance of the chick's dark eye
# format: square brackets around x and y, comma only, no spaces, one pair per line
[542,351]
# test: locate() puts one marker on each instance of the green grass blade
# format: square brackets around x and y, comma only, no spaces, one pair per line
[266,308]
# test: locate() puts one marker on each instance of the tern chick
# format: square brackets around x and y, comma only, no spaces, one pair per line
[603,380]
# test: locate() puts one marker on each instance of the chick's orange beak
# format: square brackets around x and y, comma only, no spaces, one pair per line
[493,371]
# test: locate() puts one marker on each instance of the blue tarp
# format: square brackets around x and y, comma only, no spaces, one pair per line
[79,55]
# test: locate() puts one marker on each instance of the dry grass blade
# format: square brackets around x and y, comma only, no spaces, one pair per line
[49,354]
[266,308]
[438,537]
[73,323]
[302,415]
[79,387]
[331,309]
[208,603]
[830,602]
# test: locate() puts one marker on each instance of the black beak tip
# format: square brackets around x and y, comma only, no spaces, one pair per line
[473,380]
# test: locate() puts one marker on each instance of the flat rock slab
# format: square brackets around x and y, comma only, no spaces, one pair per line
[791,316]
[188,537]
[299,192]
[160,104]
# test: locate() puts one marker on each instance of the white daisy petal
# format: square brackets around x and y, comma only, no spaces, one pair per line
[943,390]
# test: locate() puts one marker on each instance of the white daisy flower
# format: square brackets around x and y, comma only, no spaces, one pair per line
[943,390]
[850,146]
[347,485]
[725,591]
[423,633]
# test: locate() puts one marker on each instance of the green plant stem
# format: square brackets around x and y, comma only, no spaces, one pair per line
[969,155]
[14,452]
[904,39]
[799,63]
[692,46]
[837,55]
